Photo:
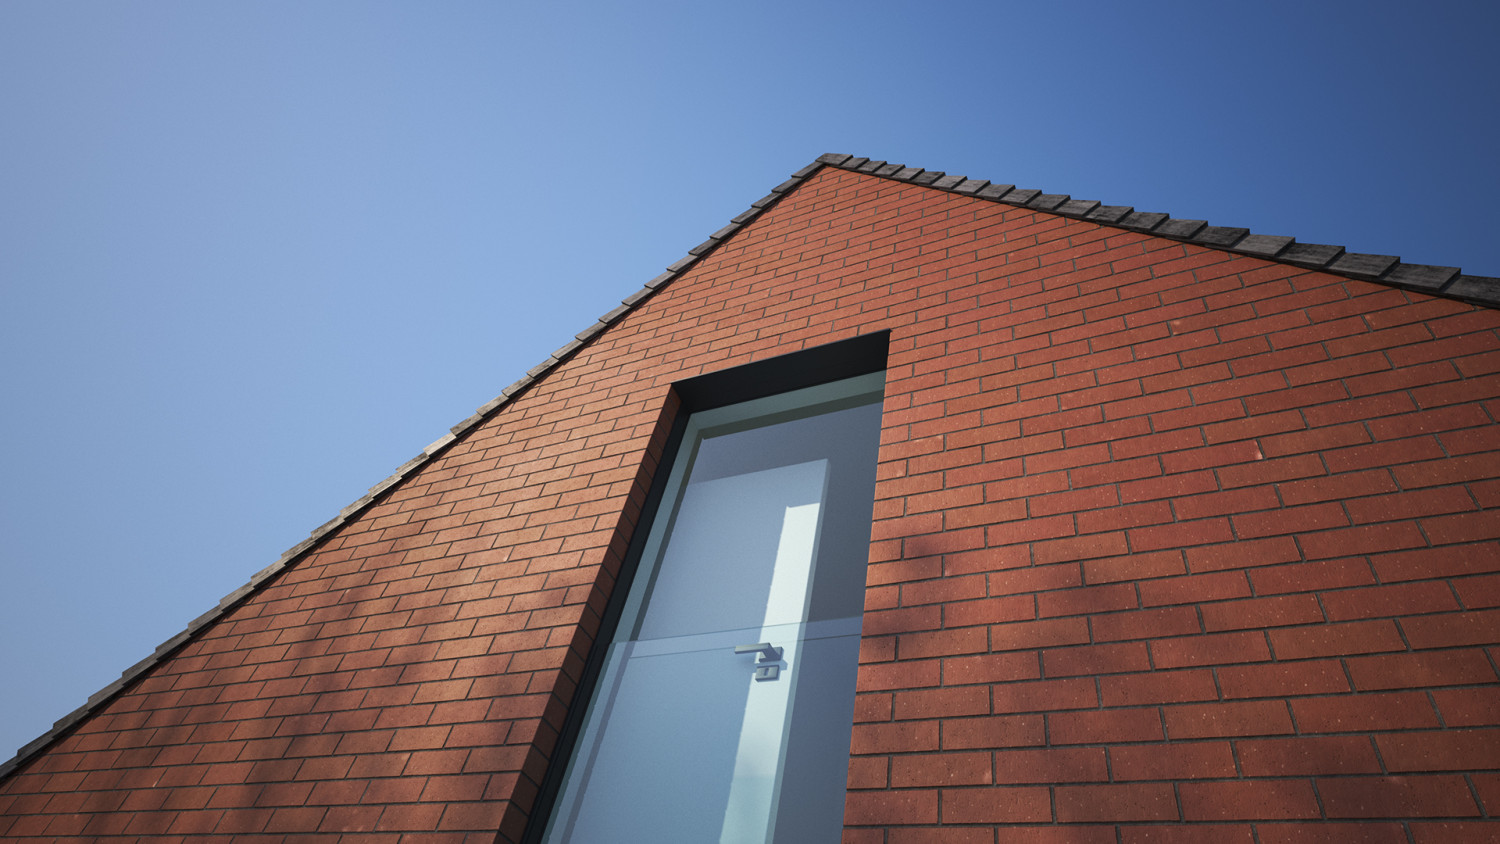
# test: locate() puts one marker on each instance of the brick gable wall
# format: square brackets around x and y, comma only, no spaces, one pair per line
[1162,535]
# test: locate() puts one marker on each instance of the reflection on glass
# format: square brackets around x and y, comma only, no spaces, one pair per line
[769,523]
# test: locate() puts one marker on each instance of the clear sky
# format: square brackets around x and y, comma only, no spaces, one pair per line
[256,255]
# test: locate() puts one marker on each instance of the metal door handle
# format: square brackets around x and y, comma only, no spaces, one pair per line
[767,667]
[767,653]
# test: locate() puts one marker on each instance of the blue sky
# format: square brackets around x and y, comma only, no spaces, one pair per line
[254,256]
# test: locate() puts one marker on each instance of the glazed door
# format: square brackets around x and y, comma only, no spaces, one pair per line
[724,708]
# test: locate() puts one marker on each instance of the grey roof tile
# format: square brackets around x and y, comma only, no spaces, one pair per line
[834,158]
[1180,229]
[994,192]
[949,182]
[768,199]
[1263,245]
[682,263]
[786,186]
[927,177]
[906,174]
[1313,256]
[1109,213]
[1144,221]
[870,166]
[637,297]
[806,171]
[1480,289]
[661,279]
[1421,276]
[970,186]
[747,215]
[1047,201]
[725,232]
[888,170]
[1361,265]
[1219,236]
[1021,196]
[568,348]
[1077,207]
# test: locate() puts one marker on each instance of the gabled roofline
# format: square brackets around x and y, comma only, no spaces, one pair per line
[1448,282]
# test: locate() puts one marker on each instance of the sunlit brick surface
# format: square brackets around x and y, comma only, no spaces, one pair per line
[1163,535]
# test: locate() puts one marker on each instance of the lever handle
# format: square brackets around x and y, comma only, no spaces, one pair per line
[767,653]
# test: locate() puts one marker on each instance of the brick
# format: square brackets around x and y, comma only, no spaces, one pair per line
[1195,588]
[874,808]
[1307,756]
[1472,707]
[1258,800]
[1050,765]
[1310,677]
[1426,596]
[1359,637]
[1095,659]
[1174,761]
[1389,797]
[1143,624]
[1104,726]
[1325,832]
[1420,670]
[1447,630]
[1185,834]
[1363,712]
[1253,613]
[995,805]
[1158,687]
[1116,803]
[1210,649]
[1046,695]
[994,732]
[1217,720]
[944,769]
[1311,577]
[1454,750]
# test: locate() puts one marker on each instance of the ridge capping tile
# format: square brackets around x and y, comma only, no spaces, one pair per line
[855,163]
[870,166]
[807,171]
[994,193]
[682,263]
[1222,237]
[1479,289]
[703,248]
[1109,214]
[1047,201]
[747,215]
[1021,196]
[1180,229]
[927,177]
[1421,276]
[1143,221]
[1312,256]
[1362,265]
[888,170]
[1263,245]
[834,158]
[949,182]
[971,186]
[906,174]
[786,186]
[562,352]
[1077,207]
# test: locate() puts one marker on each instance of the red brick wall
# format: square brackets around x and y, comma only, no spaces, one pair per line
[1163,535]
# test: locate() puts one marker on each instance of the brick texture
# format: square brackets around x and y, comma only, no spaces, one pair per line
[1164,535]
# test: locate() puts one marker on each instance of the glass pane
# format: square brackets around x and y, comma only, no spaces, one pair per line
[761,544]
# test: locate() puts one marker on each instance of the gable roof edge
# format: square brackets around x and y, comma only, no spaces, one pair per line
[1447,282]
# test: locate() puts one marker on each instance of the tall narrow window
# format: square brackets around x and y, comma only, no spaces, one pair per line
[725,702]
